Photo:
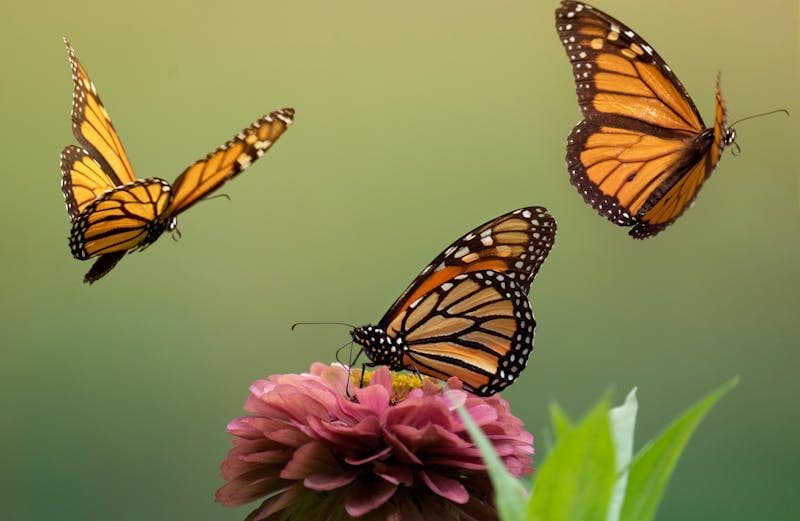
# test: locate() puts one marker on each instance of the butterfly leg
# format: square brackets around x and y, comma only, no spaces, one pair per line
[363,370]
[416,372]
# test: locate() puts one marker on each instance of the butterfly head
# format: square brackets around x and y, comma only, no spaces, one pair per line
[381,348]
[729,137]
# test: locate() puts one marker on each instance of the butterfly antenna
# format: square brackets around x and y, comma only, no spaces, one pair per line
[210,197]
[758,116]
[323,324]
[176,234]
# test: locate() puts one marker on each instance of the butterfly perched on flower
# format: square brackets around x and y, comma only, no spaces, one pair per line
[467,314]
[642,151]
[113,212]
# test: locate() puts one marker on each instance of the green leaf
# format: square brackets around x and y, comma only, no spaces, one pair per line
[575,482]
[623,422]
[654,464]
[562,423]
[510,494]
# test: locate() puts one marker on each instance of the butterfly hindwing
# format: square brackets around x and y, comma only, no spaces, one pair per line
[102,266]
[82,179]
[619,170]
[478,327]
[207,175]
[124,219]
[92,126]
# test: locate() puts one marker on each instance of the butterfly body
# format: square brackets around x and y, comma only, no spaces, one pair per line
[112,211]
[381,348]
[467,314]
[642,152]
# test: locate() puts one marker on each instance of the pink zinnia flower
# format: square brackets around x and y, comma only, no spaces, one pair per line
[395,451]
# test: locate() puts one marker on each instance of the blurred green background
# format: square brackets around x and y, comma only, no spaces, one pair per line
[415,122]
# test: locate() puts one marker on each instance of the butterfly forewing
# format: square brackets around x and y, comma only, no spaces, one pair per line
[92,126]
[619,75]
[206,175]
[515,243]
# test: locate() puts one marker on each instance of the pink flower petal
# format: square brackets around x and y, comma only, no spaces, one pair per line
[248,487]
[311,449]
[383,378]
[312,458]
[482,414]
[325,482]
[367,495]
[375,398]
[395,474]
[454,383]
[275,504]
[366,435]
[267,456]
[455,398]
[446,487]
[289,437]
[402,453]
[419,412]
[369,457]
[316,466]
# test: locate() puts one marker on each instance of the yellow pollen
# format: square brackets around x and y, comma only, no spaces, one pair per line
[402,383]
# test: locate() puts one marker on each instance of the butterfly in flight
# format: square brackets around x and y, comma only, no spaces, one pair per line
[113,212]
[642,151]
[467,314]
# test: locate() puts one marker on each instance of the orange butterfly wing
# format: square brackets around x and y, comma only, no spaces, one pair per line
[229,160]
[642,152]
[82,179]
[467,314]
[127,218]
[92,127]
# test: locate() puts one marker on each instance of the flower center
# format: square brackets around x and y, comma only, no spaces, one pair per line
[402,383]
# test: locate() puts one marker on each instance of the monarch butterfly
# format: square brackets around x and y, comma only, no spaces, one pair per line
[642,151]
[113,212]
[467,314]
